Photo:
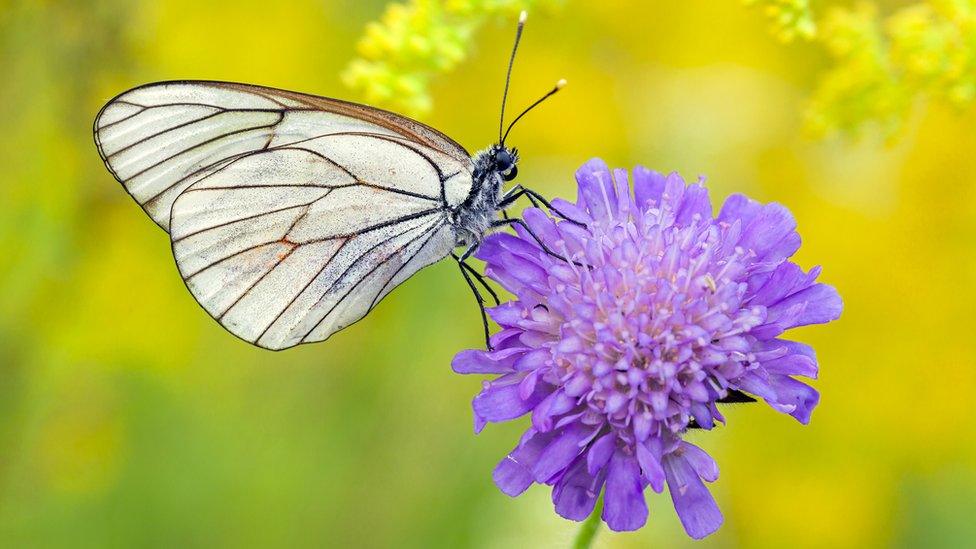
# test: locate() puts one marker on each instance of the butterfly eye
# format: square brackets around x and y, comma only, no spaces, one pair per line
[503,161]
[510,174]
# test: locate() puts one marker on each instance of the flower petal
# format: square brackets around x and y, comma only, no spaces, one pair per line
[600,452]
[506,314]
[506,338]
[533,360]
[769,227]
[693,502]
[500,400]
[648,187]
[650,467]
[596,188]
[575,494]
[798,396]
[571,210]
[554,405]
[541,224]
[674,192]
[695,202]
[559,453]
[518,246]
[786,279]
[792,365]
[624,508]
[820,304]
[473,361]
[738,207]
[703,463]
[795,347]
[756,383]
[513,474]
[621,193]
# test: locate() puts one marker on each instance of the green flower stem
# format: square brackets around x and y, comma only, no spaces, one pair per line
[587,532]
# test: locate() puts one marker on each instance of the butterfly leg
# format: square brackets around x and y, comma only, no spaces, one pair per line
[481,280]
[519,191]
[466,271]
[513,194]
[518,221]
[474,272]
[516,192]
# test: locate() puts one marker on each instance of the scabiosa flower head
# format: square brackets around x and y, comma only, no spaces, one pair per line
[655,312]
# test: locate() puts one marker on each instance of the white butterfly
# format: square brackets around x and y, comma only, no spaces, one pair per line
[292,215]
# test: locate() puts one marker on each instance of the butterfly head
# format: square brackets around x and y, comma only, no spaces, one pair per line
[504,161]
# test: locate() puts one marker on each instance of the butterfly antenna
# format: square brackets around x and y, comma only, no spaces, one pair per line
[559,85]
[508,75]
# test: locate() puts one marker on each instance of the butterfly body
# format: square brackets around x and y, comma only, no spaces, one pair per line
[291,215]
[476,216]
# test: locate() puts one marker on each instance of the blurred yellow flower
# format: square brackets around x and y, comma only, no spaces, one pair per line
[789,19]
[863,87]
[882,65]
[416,40]
[934,44]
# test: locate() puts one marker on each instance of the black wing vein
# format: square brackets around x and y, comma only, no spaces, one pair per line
[255,283]
[247,218]
[393,276]
[365,276]
[194,147]
[302,291]
[164,132]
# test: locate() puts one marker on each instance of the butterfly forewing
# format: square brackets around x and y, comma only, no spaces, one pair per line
[291,215]
[160,138]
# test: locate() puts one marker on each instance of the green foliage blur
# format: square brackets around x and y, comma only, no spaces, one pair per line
[129,418]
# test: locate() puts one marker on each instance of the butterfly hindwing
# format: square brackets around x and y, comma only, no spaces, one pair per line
[282,248]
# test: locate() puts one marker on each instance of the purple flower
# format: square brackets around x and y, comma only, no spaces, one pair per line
[656,311]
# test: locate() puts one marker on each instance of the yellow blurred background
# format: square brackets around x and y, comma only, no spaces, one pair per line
[129,418]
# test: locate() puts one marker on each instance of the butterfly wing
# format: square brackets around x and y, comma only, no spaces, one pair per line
[291,216]
[160,138]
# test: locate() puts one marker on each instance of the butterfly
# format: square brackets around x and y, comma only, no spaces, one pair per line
[292,215]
